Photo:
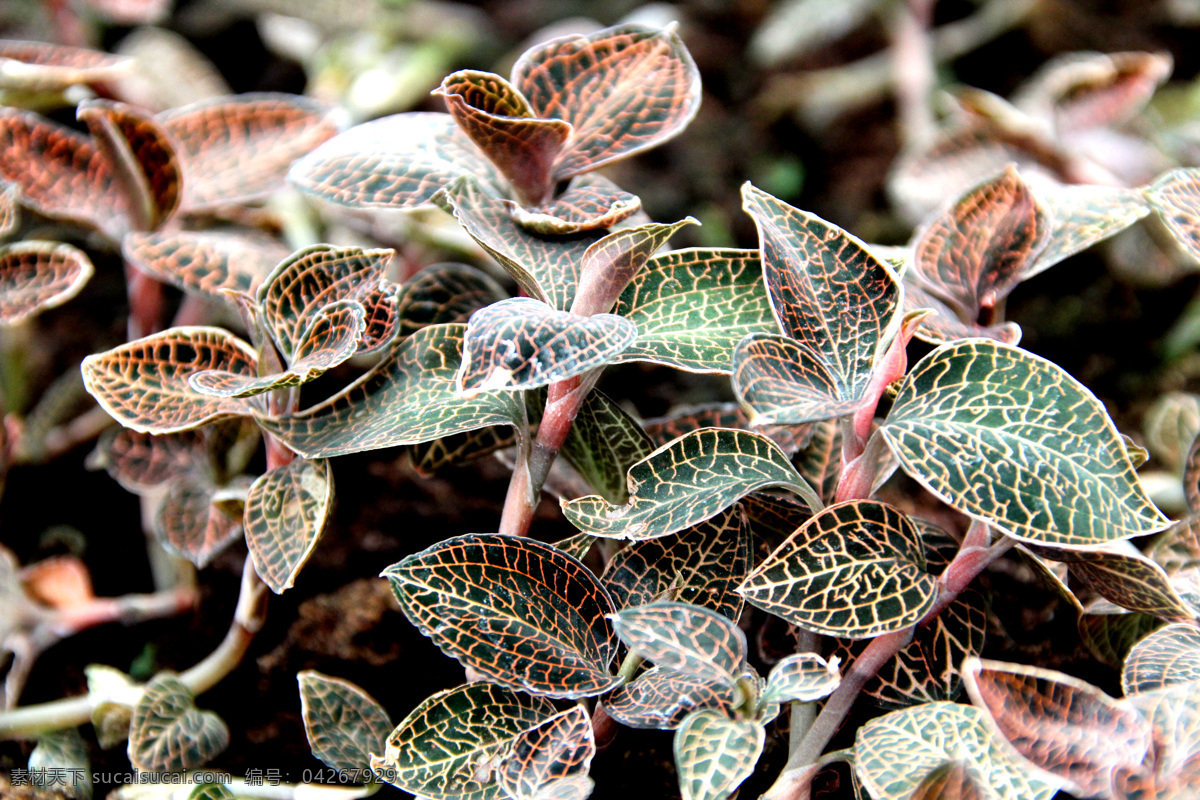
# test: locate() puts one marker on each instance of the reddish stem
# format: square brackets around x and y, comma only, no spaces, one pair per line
[146,303]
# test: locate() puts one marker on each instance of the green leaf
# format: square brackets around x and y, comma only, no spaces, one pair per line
[443,293]
[611,263]
[191,521]
[894,753]
[701,565]
[400,161]
[661,698]
[685,638]
[211,791]
[1014,441]
[204,261]
[452,745]
[552,760]
[406,398]
[1178,547]
[692,307]
[714,754]
[62,753]
[286,512]
[36,276]
[687,481]
[168,733]
[803,677]
[821,461]
[344,724]
[1068,729]
[623,90]
[856,569]
[429,457]
[603,443]
[1130,580]
[522,343]
[518,611]
[590,203]
[1083,216]
[1169,656]
[144,384]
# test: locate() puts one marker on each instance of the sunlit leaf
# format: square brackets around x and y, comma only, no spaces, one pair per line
[62,753]
[168,733]
[1131,581]
[603,443]
[856,569]
[714,754]
[40,66]
[685,638]
[611,263]
[517,611]
[622,89]
[803,677]
[1082,216]
[286,512]
[522,343]
[1166,657]
[343,723]
[443,293]
[590,203]
[661,698]
[451,746]
[399,161]
[36,276]
[205,261]
[551,757]
[191,522]
[144,384]
[687,481]
[1015,441]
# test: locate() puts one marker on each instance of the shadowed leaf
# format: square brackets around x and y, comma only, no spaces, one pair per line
[551,759]
[239,148]
[444,293]
[140,462]
[1064,726]
[1015,441]
[688,481]
[168,733]
[783,381]
[856,570]
[590,203]
[1109,632]
[286,512]
[1178,547]
[951,781]
[192,522]
[821,461]
[36,276]
[603,443]
[1169,656]
[62,753]
[399,161]
[1191,476]
[1082,216]
[450,746]
[714,754]
[522,343]
[609,264]
[429,457]
[661,430]
[205,261]
[517,611]
[1176,197]
[622,89]
[144,384]
[343,723]
[660,698]
[803,677]
[40,67]
[945,325]
[685,638]
[1131,581]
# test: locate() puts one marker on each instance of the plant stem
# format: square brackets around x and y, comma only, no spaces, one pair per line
[802,714]
[912,60]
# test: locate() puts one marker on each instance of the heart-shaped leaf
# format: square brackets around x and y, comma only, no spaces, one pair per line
[548,759]
[691,307]
[1169,656]
[714,754]
[140,462]
[286,512]
[603,443]
[516,610]
[343,723]
[661,698]
[622,89]
[406,398]
[895,752]
[701,565]
[239,148]
[451,746]
[144,384]
[951,781]
[192,520]
[35,276]
[522,343]
[1014,441]
[205,261]
[1082,216]
[444,293]
[1067,728]
[590,203]
[168,733]
[688,481]
[856,569]
[685,638]
[1131,581]
[611,263]
[400,161]
[43,67]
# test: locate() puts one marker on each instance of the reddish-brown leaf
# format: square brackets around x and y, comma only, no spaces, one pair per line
[205,261]
[35,276]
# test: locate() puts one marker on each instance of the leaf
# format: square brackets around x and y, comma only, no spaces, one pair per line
[691,307]
[688,481]
[286,512]
[603,443]
[406,398]
[10,215]
[144,384]
[429,457]
[590,203]
[1168,656]
[685,638]
[661,698]
[661,430]
[443,293]
[207,791]
[42,67]
[1078,91]
[62,753]
[399,161]
[516,610]
[556,753]
[343,723]
[1131,581]
[856,569]
[1109,632]
[140,462]
[501,124]
[611,263]
[701,565]
[451,746]
[894,753]
[803,677]
[1191,476]
[1067,728]
[1176,197]
[204,261]
[36,276]
[951,781]
[168,733]
[821,461]
[782,381]
[1014,441]
[714,754]
[522,343]
[1174,714]
[945,325]
[1082,216]
[623,90]
[191,522]
[238,148]
[1178,547]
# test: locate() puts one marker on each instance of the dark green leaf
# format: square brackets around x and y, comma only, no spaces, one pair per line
[603,443]
[344,725]
[443,293]
[714,754]
[611,263]
[286,512]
